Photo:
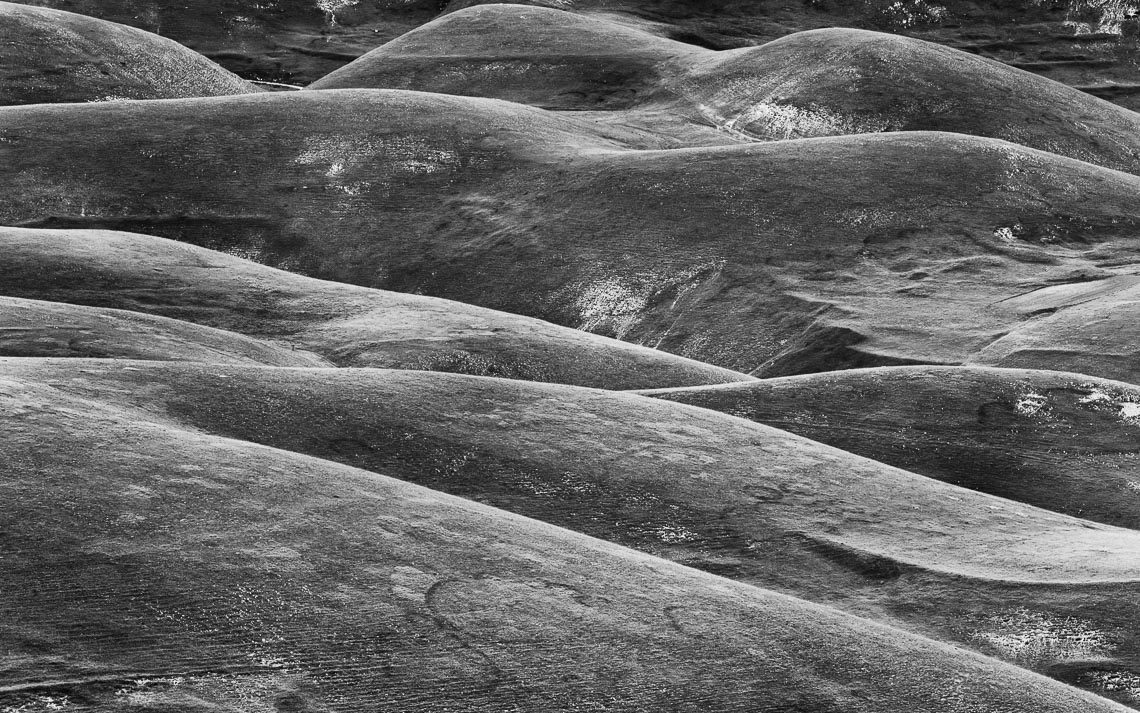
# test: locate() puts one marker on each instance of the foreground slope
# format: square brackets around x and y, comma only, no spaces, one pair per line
[1048,592]
[49,56]
[1064,442]
[789,480]
[174,570]
[294,317]
[836,252]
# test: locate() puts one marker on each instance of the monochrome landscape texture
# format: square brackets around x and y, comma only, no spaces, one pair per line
[571,355]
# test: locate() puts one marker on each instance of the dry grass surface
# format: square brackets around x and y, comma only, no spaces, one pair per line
[573,355]
[176,568]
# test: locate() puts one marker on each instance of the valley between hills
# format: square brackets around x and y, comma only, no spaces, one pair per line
[570,355]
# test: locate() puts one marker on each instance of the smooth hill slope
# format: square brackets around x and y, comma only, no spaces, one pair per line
[799,486]
[174,571]
[701,488]
[1085,44]
[533,55]
[32,328]
[1088,44]
[1064,442]
[836,252]
[348,326]
[786,89]
[842,81]
[49,56]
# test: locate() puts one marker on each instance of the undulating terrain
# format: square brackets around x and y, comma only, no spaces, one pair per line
[570,355]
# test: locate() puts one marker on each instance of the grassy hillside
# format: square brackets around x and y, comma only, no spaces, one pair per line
[1064,442]
[776,258]
[49,56]
[292,316]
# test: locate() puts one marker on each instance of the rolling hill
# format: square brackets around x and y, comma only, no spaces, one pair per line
[33,328]
[833,251]
[785,89]
[1063,442]
[49,56]
[1052,593]
[677,481]
[569,355]
[532,55]
[150,286]
[244,577]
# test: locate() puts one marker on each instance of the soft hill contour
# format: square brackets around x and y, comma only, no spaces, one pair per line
[789,88]
[271,548]
[842,81]
[1064,442]
[292,317]
[50,56]
[834,251]
[532,55]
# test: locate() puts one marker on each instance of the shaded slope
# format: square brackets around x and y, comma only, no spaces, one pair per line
[1063,442]
[699,487]
[239,576]
[544,57]
[350,326]
[49,56]
[836,252]
[32,328]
